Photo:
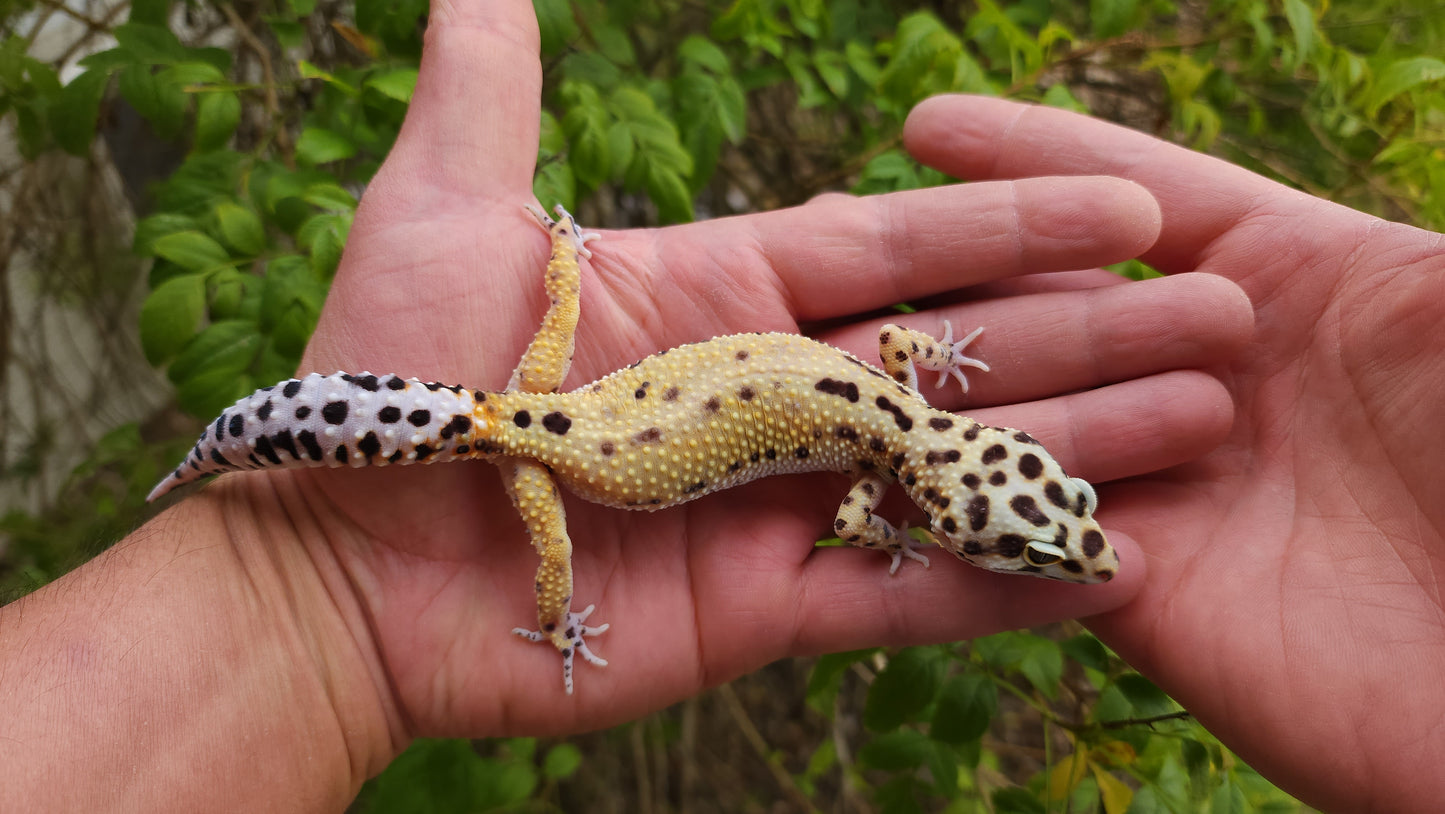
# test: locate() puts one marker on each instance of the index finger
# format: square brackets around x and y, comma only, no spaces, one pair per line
[986,138]
[842,255]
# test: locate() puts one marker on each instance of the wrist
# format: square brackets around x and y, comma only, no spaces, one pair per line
[217,657]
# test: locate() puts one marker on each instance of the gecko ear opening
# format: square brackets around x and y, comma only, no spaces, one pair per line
[1036,553]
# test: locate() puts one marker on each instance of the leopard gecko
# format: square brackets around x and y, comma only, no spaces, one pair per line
[681,424]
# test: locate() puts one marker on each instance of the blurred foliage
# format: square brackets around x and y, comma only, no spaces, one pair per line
[276,115]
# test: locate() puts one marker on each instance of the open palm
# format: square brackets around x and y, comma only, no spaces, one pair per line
[1294,597]
[442,280]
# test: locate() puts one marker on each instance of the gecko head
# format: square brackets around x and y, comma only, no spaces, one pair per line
[1026,516]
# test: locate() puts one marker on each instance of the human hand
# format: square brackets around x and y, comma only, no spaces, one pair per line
[442,280]
[1293,602]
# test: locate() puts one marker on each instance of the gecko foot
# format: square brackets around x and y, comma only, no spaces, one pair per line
[956,359]
[579,237]
[904,549]
[570,642]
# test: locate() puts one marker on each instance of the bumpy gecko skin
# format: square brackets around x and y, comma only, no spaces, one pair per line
[684,423]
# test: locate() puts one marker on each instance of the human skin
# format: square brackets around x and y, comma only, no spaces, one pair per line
[1294,595]
[276,638]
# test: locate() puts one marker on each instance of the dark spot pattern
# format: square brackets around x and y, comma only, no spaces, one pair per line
[423,452]
[971,480]
[396,383]
[556,423]
[1024,438]
[1025,507]
[971,433]
[972,547]
[994,454]
[651,435]
[800,452]
[1072,567]
[741,356]
[291,388]
[772,454]
[1055,493]
[389,415]
[1030,466]
[713,404]
[977,511]
[899,417]
[340,454]
[607,448]
[522,419]
[265,450]
[284,442]
[670,394]
[265,411]
[220,459]
[641,392]
[934,457]
[940,424]
[949,525]
[419,418]
[394,457]
[308,441]
[846,433]
[302,412]
[238,425]
[998,478]
[1093,543]
[335,412]
[876,444]
[368,382]
[833,387]
[747,393]
[459,425]
[1011,545]
[369,445]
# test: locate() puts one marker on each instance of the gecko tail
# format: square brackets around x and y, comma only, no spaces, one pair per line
[334,421]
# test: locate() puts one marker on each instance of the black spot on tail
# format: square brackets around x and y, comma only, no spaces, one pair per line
[555,423]
[335,412]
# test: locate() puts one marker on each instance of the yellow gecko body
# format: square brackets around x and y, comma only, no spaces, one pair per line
[684,423]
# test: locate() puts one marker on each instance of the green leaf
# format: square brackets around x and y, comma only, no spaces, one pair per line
[214,358]
[153,227]
[318,145]
[904,688]
[1144,696]
[704,52]
[1111,18]
[1302,22]
[588,153]
[561,762]
[151,12]
[169,316]
[327,195]
[73,117]
[1043,665]
[1087,650]
[161,102]
[149,44]
[193,250]
[554,182]
[397,84]
[557,25]
[217,114]
[966,706]
[1401,76]
[241,228]
[895,751]
[670,193]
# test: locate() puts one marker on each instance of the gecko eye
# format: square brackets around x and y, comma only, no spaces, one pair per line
[1036,553]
